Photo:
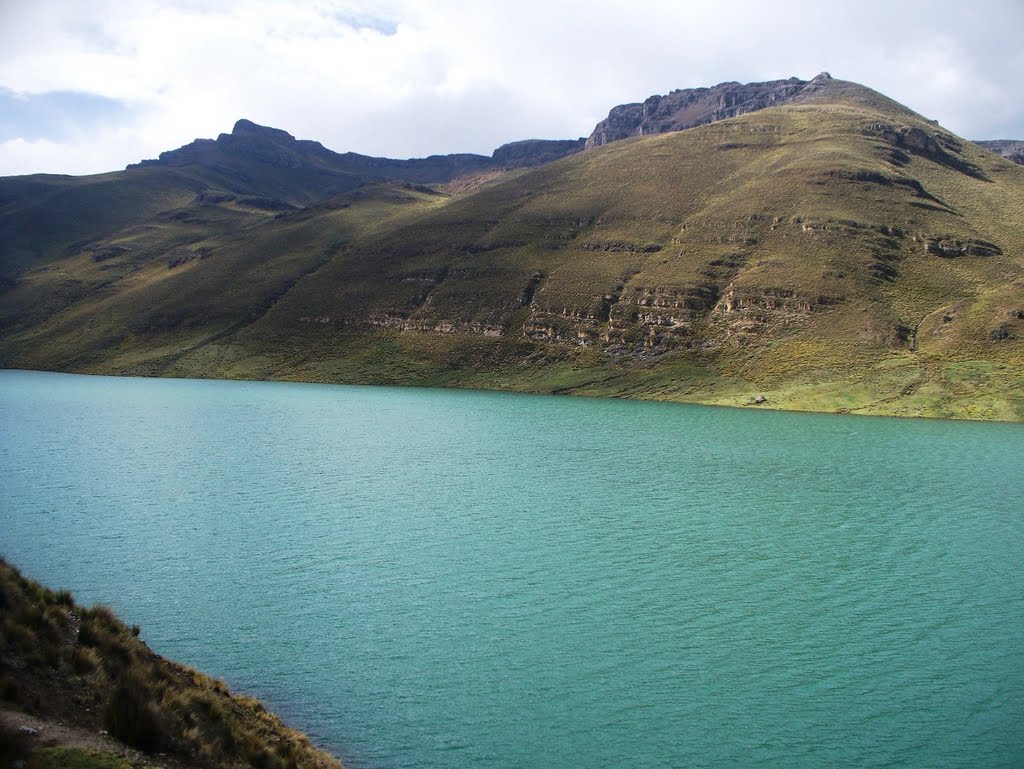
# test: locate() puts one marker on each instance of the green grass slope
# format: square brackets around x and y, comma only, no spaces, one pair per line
[836,254]
[46,217]
[183,280]
[80,668]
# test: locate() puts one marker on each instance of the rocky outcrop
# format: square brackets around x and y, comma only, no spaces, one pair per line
[949,247]
[183,256]
[1011,149]
[442,326]
[936,146]
[692,107]
[914,139]
[635,320]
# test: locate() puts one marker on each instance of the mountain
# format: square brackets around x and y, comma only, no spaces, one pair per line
[78,688]
[1010,149]
[815,246]
[692,107]
[265,148]
[261,169]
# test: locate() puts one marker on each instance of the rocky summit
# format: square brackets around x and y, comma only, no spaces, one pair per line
[791,244]
[691,107]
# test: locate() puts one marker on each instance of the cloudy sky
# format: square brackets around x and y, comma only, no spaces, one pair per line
[91,85]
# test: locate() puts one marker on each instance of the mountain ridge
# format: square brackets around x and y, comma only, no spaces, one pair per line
[835,252]
[278,147]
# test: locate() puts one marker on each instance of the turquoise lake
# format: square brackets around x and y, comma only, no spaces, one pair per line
[424,578]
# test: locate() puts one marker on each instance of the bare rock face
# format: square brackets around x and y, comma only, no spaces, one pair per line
[1010,149]
[949,248]
[692,107]
[914,139]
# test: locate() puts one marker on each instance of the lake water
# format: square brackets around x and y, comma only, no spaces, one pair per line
[435,579]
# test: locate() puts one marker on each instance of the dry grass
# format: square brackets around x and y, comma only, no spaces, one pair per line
[85,666]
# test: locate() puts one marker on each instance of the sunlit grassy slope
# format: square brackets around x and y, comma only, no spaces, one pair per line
[837,254]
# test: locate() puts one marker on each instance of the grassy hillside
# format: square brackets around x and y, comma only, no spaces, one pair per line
[836,254]
[76,671]
[200,272]
[252,171]
[46,217]
[261,170]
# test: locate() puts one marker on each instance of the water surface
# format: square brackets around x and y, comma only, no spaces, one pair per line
[460,579]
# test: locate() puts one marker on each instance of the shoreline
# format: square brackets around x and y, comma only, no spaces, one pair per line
[766,406]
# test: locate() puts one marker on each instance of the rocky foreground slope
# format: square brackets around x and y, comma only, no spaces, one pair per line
[79,688]
[815,246]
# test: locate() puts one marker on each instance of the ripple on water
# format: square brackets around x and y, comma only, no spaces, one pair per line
[428,579]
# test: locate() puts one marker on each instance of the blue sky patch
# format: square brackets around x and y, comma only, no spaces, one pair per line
[57,115]
[358,21]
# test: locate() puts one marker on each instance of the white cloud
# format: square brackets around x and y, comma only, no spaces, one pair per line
[90,155]
[404,77]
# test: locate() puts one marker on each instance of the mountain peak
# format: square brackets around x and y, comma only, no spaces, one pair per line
[249,140]
[692,107]
[245,127]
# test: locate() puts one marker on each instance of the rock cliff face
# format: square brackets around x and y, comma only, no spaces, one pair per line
[1011,149]
[692,107]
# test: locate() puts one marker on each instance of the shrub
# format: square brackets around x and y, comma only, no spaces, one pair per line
[86,659]
[133,716]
